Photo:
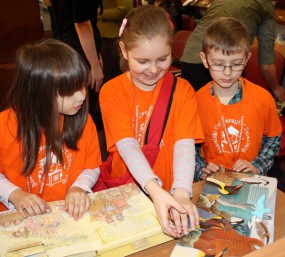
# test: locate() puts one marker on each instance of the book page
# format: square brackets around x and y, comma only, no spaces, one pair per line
[116,217]
[244,205]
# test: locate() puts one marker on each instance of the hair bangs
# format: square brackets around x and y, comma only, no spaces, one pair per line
[155,23]
[67,71]
[226,47]
[72,76]
[226,35]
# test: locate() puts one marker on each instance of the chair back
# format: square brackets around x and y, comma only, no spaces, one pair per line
[252,71]
[179,42]
[178,45]
[188,23]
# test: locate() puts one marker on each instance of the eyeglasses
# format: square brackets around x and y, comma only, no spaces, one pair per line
[221,67]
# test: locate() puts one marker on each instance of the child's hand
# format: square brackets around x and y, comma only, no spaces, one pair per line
[210,168]
[28,204]
[163,204]
[245,166]
[181,220]
[77,202]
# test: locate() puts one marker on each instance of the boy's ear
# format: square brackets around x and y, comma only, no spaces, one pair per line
[204,60]
[123,50]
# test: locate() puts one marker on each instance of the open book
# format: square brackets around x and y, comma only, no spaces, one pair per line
[120,221]
[242,210]
[236,216]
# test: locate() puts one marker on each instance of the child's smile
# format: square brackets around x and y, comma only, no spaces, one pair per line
[148,61]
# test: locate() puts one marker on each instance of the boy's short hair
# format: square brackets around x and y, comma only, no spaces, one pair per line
[228,35]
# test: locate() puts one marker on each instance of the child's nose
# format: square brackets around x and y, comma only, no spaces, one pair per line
[153,68]
[228,70]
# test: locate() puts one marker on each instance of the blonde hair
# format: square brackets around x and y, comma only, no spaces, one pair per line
[145,22]
[228,35]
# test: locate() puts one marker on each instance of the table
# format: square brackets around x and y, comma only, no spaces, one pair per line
[165,249]
[276,249]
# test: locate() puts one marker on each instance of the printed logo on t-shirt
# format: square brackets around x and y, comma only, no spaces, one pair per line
[57,173]
[139,124]
[231,136]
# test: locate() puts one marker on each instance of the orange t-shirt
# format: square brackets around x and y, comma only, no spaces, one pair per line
[59,178]
[238,134]
[125,109]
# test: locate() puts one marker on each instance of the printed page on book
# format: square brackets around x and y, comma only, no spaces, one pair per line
[236,212]
[120,221]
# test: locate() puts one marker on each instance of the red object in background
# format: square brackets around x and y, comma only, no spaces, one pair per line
[252,71]
[282,146]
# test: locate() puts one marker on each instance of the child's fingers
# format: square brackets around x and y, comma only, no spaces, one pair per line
[166,221]
[47,207]
[87,203]
[77,205]
[37,209]
[40,206]
[194,217]
[184,223]
[176,220]
[212,167]
[69,204]
[31,210]
[244,166]
[177,210]
[239,165]
[30,205]
[192,220]
[76,209]
[168,227]
[205,173]
[23,213]
[85,206]
[81,207]
[177,206]
[180,222]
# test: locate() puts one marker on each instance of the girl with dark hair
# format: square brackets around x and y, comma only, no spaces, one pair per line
[49,146]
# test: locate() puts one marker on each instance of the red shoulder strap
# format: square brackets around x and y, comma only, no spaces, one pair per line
[161,110]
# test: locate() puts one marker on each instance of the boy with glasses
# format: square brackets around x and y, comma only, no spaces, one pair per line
[239,119]
[258,16]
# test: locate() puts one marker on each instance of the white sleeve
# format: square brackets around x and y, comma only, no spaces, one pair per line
[136,161]
[7,187]
[184,164]
[87,179]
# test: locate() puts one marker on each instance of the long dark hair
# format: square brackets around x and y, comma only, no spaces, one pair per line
[45,70]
